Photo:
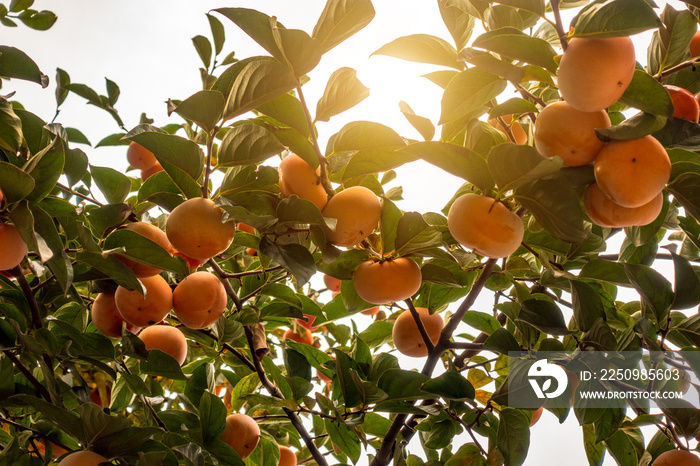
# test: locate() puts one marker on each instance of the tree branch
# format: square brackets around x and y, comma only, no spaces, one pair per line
[558,25]
[322,162]
[421,328]
[207,166]
[29,376]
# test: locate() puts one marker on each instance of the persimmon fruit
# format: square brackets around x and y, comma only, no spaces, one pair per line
[149,308]
[83,458]
[594,72]
[633,172]
[485,225]
[408,339]
[245,228]
[146,173]
[242,433]
[677,458]
[387,281]
[152,233]
[518,132]
[685,105]
[169,340]
[287,457]
[536,415]
[332,283]
[372,311]
[297,177]
[695,45]
[139,157]
[199,300]
[357,211]
[307,322]
[304,336]
[605,213]
[12,247]
[195,229]
[106,316]
[561,130]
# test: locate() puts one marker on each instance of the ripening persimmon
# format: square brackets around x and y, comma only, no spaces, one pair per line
[536,415]
[357,211]
[561,130]
[332,283]
[372,311]
[408,339]
[685,105]
[107,318]
[287,457]
[297,177]
[56,450]
[677,458]
[146,173]
[153,233]
[605,213]
[695,45]
[139,157]
[2,196]
[324,377]
[304,336]
[307,322]
[632,173]
[12,247]
[518,132]
[169,340]
[485,225]
[191,263]
[195,229]
[245,228]
[594,72]
[241,433]
[146,309]
[83,458]
[199,300]
[387,281]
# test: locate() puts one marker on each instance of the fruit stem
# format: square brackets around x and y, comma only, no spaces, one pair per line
[322,162]
[207,166]
[558,25]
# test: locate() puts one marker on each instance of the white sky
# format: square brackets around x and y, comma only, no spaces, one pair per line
[145,47]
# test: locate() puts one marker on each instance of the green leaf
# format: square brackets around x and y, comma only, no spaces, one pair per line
[513,436]
[16,64]
[365,135]
[502,341]
[300,52]
[295,210]
[247,143]
[341,19]
[556,207]
[294,257]
[16,183]
[343,91]
[656,292]
[422,48]
[162,364]
[648,95]
[10,128]
[288,110]
[595,451]
[212,413]
[638,126]
[113,184]
[467,94]
[39,20]
[488,62]
[459,23]
[257,25]
[46,168]
[686,284]
[112,267]
[622,448]
[450,386]
[204,108]
[18,5]
[250,83]
[467,454]
[680,133]
[202,380]
[423,125]
[203,47]
[345,439]
[365,162]
[454,159]
[402,385]
[514,106]
[512,43]
[217,32]
[76,136]
[144,251]
[514,165]
[614,18]
[669,45]
[413,233]
[544,316]
[481,321]
[588,305]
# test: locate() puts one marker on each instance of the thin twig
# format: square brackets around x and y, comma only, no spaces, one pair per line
[421,328]
[80,195]
[558,25]
[18,273]
[322,162]
[681,66]
[207,167]
[29,376]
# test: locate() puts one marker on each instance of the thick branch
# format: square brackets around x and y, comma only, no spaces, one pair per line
[421,328]
[227,286]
